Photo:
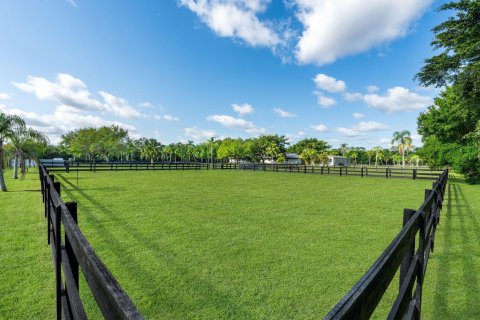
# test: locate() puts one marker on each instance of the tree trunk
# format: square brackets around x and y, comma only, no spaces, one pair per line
[15,167]
[3,187]
[403,158]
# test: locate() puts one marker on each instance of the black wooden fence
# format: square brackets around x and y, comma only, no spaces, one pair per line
[405,253]
[74,253]
[382,172]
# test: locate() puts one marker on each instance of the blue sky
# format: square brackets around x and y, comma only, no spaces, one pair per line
[339,70]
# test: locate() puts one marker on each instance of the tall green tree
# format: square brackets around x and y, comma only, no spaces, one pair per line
[447,126]
[403,141]
[8,124]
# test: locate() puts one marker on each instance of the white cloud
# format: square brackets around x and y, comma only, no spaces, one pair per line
[398,99]
[146,104]
[358,130]
[327,83]
[293,138]
[319,128]
[197,134]
[284,114]
[65,118]
[325,101]
[170,118]
[338,28]
[70,91]
[358,115]
[236,19]
[371,88]
[118,106]
[369,126]
[236,123]
[348,132]
[242,109]
[352,97]
[166,117]
[4,96]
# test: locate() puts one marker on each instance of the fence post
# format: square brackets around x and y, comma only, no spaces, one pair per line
[414,174]
[305,169]
[340,171]
[58,261]
[407,260]
[72,208]
[386,173]
[361,172]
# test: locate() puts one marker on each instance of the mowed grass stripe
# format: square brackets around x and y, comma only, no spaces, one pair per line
[223,244]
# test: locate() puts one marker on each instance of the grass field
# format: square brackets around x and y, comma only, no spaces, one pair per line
[245,245]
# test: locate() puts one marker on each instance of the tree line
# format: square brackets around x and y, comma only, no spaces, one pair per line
[114,144]
[451,127]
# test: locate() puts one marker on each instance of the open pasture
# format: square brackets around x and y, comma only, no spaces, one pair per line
[225,244]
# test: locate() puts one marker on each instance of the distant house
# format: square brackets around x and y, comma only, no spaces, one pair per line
[337,161]
[292,158]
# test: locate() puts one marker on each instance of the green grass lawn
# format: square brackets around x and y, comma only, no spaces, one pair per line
[27,288]
[238,245]
[223,244]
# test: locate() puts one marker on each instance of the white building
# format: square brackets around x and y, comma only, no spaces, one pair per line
[337,161]
[292,158]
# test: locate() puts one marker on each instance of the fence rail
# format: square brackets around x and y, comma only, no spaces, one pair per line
[382,172]
[74,253]
[403,252]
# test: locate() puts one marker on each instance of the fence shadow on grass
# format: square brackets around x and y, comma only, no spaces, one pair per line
[461,231]
[207,291]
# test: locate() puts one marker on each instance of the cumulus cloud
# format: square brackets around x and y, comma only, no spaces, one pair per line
[369,126]
[65,118]
[324,101]
[4,96]
[338,28]
[197,134]
[361,128]
[73,92]
[284,114]
[236,123]
[398,99]
[358,115]
[242,109]
[236,19]
[330,84]
[319,128]
[371,88]
[352,97]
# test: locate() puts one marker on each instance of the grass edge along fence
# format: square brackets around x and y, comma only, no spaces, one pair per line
[76,252]
[360,302]
[382,172]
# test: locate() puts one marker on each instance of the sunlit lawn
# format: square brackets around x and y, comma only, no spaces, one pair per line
[224,244]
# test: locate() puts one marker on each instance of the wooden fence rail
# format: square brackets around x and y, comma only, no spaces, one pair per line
[382,172]
[403,252]
[75,253]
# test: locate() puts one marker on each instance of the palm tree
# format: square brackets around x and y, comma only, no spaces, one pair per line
[27,143]
[404,142]
[378,154]
[8,123]
[370,154]
[416,158]
[352,154]
[272,150]
[343,149]
[150,149]
[309,156]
